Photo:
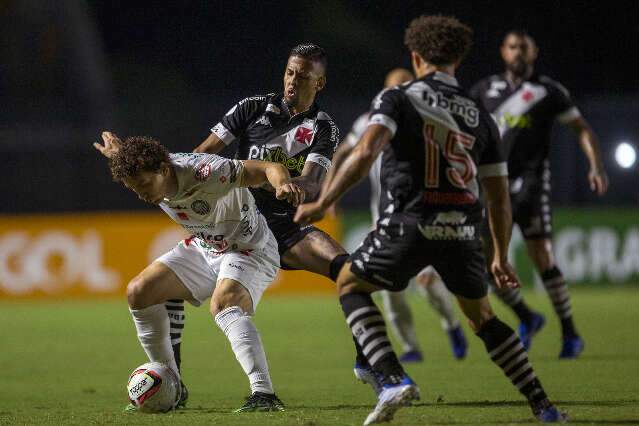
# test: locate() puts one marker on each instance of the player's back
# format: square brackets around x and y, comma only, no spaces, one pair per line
[441,140]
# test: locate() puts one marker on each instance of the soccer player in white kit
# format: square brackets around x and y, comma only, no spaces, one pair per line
[395,304]
[230,257]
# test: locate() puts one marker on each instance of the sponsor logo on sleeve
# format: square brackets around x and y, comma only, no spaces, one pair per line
[203,172]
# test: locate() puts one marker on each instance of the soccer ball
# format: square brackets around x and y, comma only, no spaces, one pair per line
[154,388]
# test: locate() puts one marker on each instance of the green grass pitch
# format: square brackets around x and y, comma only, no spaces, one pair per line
[67,363]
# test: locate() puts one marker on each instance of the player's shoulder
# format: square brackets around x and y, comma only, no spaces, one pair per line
[552,84]
[486,82]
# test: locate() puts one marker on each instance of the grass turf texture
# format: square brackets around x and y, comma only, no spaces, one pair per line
[67,363]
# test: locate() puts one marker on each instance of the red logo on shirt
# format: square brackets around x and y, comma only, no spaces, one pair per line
[527,96]
[183,216]
[203,172]
[304,135]
[222,179]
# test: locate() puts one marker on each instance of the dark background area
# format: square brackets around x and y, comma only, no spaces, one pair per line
[172,69]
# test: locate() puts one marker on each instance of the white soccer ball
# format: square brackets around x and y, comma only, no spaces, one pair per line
[154,388]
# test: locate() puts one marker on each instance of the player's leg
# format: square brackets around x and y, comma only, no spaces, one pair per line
[368,328]
[467,280]
[541,253]
[175,311]
[530,322]
[313,250]
[400,319]
[241,281]
[146,295]
[439,298]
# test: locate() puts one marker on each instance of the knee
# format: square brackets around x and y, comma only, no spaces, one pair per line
[425,277]
[136,293]
[226,299]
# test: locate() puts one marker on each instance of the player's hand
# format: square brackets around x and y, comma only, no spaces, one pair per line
[309,213]
[111,145]
[290,192]
[598,181]
[504,274]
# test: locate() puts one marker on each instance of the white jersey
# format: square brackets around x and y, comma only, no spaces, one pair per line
[359,126]
[212,206]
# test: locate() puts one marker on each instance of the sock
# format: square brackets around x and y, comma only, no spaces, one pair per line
[558,292]
[360,358]
[439,299]
[247,347]
[175,309]
[506,350]
[367,325]
[152,325]
[336,265]
[512,297]
[400,319]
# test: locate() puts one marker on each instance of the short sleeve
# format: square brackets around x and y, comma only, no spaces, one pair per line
[356,132]
[236,120]
[492,161]
[386,109]
[325,142]
[565,107]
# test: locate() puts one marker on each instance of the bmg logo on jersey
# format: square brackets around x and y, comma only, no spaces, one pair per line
[456,105]
[277,155]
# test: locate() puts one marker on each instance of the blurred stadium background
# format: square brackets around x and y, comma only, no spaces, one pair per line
[70,69]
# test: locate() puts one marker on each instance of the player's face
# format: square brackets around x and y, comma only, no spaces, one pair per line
[150,187]
[519,53]
[302,80]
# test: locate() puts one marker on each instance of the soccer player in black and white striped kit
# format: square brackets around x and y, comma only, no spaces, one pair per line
[438,147]
[525,106]
[428,281]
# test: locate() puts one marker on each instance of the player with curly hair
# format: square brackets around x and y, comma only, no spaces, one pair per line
[438,147]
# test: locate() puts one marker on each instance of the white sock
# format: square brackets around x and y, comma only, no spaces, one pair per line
[152,324]
[247,346]
[439,298]
[400,319]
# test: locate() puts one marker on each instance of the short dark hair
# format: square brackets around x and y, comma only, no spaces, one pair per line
[138,154]
[518,32]
[439,40]
[311,52]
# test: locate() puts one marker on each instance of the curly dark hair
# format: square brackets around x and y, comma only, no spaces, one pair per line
[439,40]
[137,154]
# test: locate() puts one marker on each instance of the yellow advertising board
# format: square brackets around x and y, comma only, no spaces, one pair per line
[95,255]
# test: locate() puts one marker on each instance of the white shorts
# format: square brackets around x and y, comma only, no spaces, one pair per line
[199,269]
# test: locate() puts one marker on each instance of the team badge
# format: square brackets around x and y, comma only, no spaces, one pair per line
[200,207]
[203,172]
[304,135]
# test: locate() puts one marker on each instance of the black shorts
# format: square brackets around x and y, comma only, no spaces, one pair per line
[287,233]
[394,253]
[530,200]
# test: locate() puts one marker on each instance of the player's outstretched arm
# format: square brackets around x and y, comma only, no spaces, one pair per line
[311,180]
[111,144]
[590,146]
[257,173]
[500,220]
[354,168]
[212,145]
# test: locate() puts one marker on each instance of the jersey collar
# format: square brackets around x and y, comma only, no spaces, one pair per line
[279,100]
[443,77]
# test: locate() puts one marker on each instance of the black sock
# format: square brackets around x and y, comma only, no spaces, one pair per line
[336,265]
[175,310]
[512,297]
[360,358]
[557,289]
[506,350]
[368,328]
